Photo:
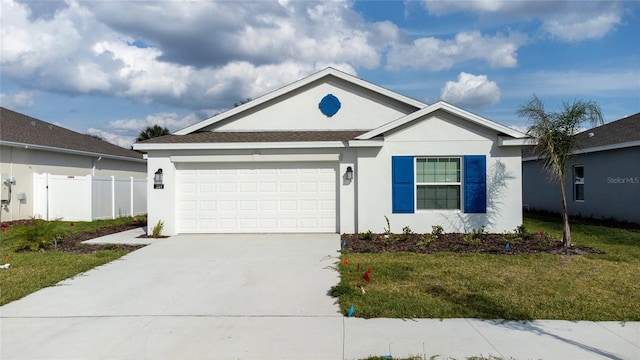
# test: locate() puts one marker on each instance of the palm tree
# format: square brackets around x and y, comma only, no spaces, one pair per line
[554,133]
[152,132]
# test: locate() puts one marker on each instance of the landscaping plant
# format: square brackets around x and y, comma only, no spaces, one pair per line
[554,133]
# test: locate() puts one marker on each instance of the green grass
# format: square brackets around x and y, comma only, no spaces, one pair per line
[513,287]
[32,271]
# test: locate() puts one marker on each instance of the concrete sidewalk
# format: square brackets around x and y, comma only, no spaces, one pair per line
[259,297]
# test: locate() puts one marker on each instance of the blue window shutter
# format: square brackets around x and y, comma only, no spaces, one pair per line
[475,184]
[402,184]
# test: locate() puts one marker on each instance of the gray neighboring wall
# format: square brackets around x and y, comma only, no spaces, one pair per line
[610,156]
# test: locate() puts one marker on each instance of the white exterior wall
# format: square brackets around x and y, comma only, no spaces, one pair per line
[161,203]
[442,135]
[22,163]
[299,111]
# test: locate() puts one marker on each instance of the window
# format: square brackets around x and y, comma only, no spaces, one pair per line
[438,183]
[578,183]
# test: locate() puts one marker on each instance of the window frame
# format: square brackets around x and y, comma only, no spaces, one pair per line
[459,183]
[578,182]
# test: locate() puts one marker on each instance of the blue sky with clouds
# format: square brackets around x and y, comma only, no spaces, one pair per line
[111,68]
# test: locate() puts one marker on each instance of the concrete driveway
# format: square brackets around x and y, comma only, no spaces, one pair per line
[188,297]
[260,297]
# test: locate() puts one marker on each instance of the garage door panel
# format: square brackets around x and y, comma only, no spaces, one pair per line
[327,205]
[270,205]
[268,187]
[227,187]
[266,197]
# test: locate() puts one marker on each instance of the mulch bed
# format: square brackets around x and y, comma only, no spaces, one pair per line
[73,243]
[457,243]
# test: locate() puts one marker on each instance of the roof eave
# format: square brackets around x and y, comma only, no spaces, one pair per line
[69,151]
[239,145]
[441,105]
[509,141]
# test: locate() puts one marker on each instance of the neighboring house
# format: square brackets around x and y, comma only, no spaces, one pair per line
[603,174]
[333,153]
[30,146]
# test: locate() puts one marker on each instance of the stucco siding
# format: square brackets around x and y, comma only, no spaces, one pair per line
[611,186]
[442,136]
[360,109]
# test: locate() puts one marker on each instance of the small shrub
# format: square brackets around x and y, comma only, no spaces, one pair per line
[387,230]
[406,231]
[520,230]
[476,236]
[437,230]
[426,240]
[39,236]
[365,235]
[156,232]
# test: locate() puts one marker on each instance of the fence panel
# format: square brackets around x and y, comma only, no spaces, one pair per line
[69,197]
[101,198]
[139,196]
[122,199]
[86,198]
[40,202]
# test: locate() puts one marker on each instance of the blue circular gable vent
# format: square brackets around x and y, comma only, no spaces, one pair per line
[329,105]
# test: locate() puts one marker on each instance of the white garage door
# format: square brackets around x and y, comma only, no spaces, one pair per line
[256,197]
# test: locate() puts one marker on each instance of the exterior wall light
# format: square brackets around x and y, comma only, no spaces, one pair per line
[349,173]
[157,180]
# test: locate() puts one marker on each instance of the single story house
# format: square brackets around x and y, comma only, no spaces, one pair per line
[334,153]
[603,175]
[30,146]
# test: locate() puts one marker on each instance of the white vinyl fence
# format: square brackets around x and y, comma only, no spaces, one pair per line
[86,198]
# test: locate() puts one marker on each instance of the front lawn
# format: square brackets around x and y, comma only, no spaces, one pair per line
[514,287]
[57,260]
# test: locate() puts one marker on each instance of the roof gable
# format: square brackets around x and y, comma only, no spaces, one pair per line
[442,106]
[324,80]
[17,129]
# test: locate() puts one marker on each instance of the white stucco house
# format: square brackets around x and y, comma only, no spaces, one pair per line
[334,153]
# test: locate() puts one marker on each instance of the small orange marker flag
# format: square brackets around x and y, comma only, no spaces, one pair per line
[6,259]
[346,262]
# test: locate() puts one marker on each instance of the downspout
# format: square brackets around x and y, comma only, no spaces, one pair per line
[93,165]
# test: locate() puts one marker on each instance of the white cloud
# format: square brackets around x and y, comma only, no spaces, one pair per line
[203,55]
[470,90]
[439,7]
[123,132]
[121,140]
[435,54]
[580,26]
[569,21]
[169,120]
[21,99]
[624,82]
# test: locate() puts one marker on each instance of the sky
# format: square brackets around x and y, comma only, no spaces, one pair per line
[112,68]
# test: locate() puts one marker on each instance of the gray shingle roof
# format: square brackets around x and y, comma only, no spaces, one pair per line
[616,132]
[621,131]
[262,136]
[22,129]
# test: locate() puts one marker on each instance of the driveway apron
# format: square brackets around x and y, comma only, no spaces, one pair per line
[189,297]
